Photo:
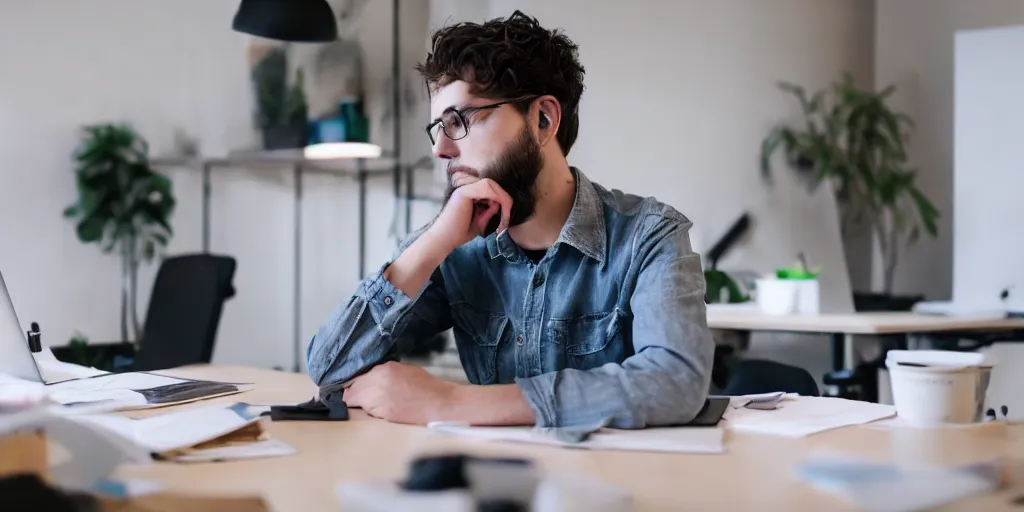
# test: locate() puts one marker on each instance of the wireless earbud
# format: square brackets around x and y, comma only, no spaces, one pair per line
[544,123]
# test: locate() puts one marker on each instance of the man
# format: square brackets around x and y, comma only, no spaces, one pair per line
[571,305]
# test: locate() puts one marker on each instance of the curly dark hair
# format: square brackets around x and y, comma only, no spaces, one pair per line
[507,58]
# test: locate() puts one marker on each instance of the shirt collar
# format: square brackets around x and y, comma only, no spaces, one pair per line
[584,229]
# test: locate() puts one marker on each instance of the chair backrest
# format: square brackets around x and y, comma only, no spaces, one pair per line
[184,311]
[756,376]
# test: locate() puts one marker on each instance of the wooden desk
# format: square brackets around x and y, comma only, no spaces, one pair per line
[842,327]
[756,474]
[856,323]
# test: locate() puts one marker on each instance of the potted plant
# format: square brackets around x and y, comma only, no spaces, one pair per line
[123,205]
[282,110]
[852,140]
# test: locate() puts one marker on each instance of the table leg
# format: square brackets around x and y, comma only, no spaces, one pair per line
[838,351]
[206,207]
[297,311]
[361,176]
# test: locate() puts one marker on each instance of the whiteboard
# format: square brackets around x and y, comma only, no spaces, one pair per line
[988,167]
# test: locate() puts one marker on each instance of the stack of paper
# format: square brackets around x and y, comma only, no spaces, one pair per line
[195,435]
[799,416]
[673,439]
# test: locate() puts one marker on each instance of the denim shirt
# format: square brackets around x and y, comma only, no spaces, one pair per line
[608,328]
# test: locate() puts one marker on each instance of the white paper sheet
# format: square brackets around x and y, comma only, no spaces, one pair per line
[256,450]
[131,380]
[54,370]
[673,440]
[799,416]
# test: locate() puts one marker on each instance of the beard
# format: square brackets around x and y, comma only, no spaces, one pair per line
[515,171]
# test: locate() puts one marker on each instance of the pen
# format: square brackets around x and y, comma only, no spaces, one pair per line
[35,343]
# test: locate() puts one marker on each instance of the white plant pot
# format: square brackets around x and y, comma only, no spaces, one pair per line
[776,296]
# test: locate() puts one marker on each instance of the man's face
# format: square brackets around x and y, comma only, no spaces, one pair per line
[498,145]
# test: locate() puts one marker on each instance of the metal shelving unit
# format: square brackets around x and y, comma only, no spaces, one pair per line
[298,165]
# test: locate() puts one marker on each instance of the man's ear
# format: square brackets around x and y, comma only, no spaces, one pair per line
[547,119]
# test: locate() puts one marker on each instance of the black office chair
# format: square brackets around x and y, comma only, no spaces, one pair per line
[756,376]
[184,311]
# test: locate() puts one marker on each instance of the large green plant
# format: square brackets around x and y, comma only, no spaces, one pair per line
[853,140]
[123,204]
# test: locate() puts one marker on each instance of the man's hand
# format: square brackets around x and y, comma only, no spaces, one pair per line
[400,393]
[466,215]
[468,212]
[403,393]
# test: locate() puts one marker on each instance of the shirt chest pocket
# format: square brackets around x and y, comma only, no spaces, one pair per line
[478,335]
[592,340]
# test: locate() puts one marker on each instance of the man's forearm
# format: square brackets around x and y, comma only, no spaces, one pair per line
[498,405]
[410,271]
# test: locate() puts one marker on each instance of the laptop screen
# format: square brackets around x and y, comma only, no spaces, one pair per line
[15,357]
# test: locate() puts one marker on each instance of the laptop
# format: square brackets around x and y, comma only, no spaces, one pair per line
[136,389]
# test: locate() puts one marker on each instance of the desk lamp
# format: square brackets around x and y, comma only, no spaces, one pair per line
[301,21]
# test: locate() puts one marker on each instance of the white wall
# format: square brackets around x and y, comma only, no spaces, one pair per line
[915,50]
[166,66]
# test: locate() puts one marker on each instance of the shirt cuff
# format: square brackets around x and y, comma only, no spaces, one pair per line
[539,392]
[387,304]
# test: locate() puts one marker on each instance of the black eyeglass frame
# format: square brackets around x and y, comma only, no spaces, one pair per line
[469,111]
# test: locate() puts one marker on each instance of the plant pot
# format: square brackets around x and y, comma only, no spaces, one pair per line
[869,301]
[284,137]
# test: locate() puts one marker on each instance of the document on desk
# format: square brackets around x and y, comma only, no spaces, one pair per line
[135,390]
[54,370]
[800,416]
[201,434]
[670,439]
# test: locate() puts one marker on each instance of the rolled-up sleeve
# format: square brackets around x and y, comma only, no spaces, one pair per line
[377,320]
[667,379]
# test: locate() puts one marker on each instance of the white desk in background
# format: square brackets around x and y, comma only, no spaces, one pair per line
[842,327]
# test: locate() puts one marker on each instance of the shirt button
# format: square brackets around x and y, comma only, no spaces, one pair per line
[519,339]
[388,301]
[538,280]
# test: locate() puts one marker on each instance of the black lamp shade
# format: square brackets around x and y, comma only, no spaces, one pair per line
[302,21]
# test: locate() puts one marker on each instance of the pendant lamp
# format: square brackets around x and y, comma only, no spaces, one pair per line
[301,21]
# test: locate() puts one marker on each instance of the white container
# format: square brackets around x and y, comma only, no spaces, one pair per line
[776,296]
[936,387]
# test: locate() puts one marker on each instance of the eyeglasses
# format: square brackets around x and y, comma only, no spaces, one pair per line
[453,121]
